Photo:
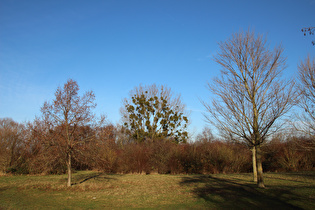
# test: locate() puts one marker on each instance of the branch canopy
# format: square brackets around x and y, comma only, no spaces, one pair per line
[306,89]
[250,94]
[152,112]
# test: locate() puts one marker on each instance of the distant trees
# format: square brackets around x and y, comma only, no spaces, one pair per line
[152,112]
[43,154]
[100,154]
[35,154]
[11,143]
[306,89]
[205,135]
[68,120]
[251,96]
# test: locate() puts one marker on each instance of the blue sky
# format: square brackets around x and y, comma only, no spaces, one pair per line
[111,46]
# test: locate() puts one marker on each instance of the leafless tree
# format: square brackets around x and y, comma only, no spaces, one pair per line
[65,116]
[250,94]
[306,87]
[205,136]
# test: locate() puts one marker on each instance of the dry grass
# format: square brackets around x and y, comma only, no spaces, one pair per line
[94,190]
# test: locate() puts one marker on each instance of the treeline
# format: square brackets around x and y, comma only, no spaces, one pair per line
[24,150]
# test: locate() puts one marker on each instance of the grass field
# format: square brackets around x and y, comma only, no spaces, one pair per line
[94,190]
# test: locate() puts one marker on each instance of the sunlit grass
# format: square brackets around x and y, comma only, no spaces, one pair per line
[94,190]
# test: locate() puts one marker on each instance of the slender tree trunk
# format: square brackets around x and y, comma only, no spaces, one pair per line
[69,170]
[260,179]
[254,164]
[12,153]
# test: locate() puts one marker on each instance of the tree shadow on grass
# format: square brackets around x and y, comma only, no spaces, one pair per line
[304,174]
[301,177]
[231,194]
[81,178]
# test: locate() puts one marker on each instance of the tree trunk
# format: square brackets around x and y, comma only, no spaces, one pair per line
[260,179]
[254,164]
[69,170]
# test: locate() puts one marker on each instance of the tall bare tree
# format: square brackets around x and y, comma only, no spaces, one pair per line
[306,123]
[251,96]
[65,116]
[153,112]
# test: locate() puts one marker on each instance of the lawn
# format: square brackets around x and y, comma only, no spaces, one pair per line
[95,190]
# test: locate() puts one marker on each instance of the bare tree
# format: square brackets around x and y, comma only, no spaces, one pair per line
[153,112]
[65,116]
[251,96]
[306,87]
[205,136]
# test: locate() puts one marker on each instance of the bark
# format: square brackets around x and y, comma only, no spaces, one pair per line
[69,170]
[260,179]
[254,164]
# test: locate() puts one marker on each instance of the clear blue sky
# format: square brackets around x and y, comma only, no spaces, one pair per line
[111,46]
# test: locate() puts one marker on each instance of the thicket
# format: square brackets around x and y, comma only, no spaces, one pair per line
[26,152]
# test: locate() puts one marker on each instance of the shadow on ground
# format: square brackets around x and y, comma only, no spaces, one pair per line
[231,194]
[294,176]
[79,179]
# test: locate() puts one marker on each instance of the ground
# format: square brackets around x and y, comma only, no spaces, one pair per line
[95,190]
